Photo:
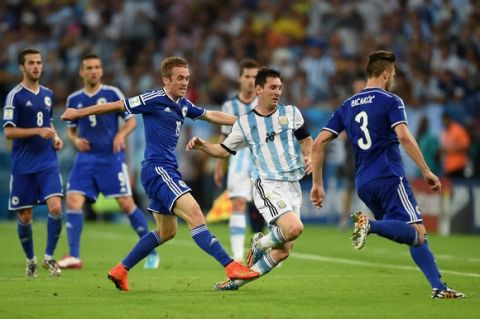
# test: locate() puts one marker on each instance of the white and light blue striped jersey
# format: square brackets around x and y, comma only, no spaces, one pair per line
[99,130]
[275,150]
[242,160]
[27,109]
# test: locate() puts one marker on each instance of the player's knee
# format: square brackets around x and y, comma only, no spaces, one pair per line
[166,234]
[127,205]
[421,234]
[293,231]
[73,203]
[55,209]
[25,217]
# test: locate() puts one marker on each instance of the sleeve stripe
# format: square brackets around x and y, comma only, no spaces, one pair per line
[396,123]
[228,150]
[127,107]
[11,95]
[330,130]
[203,114]
[9,123]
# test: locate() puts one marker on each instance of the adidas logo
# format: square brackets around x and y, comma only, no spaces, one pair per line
[213,241]
[28,103]
[167,109]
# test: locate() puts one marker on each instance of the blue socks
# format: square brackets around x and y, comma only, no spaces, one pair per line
[26,240]
[424,259]
[74,227]
[143,247]
[54,227]
[210,244]
[138,222]
[404,233]
[395,230]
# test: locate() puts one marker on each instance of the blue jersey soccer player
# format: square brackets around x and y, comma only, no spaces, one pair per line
[239,184]
[273,133]
[163,114]
[100,162]
[375,122]
[35,177]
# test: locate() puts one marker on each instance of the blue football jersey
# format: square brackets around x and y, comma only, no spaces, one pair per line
[99,130]
[163,119]
[27,109]
[369,118]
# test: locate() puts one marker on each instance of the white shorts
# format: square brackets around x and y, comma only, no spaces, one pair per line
[275,198]
[239,185]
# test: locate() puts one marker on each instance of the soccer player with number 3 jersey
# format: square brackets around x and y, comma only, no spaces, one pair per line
[375,122]
[35,176]
[164,112]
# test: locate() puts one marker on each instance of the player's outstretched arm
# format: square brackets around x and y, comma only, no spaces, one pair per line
[219,167]
[218,117]
[411,147]
[12,133]
[214,150]
[71,114]
[317,194]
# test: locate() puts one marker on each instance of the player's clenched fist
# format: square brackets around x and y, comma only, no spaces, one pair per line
[194,143]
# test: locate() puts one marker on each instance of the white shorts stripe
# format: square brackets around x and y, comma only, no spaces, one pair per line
[168,180]
[405,201]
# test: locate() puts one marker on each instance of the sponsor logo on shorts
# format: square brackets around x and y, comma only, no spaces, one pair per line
[15,200]
[281,204]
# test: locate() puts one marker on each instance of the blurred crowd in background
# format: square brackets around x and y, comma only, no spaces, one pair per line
[320,47]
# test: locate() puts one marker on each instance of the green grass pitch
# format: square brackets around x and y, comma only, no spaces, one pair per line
[324,278]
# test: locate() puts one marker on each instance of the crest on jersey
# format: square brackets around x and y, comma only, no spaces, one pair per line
[8,114]
[184,111]
[101,100]
[182,183]
[134,101]
[15,200]
[48,102]
[283,120]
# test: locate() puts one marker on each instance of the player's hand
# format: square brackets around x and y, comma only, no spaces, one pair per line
[57,143]
[194,143]
[70,114]
[317,195]
[218,173]
[433,181]
[308,165]
[83,145]
[46,132]
[118,143]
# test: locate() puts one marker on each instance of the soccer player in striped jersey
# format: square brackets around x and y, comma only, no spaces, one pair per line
[239,184]
[164,112]
[280,145]
[35,176]
[375,122]
[100,162]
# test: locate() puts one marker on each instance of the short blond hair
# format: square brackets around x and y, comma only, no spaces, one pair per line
[169,63]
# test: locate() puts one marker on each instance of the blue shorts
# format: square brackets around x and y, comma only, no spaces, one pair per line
[29,190]
[163,186]
[89,179]
[391,198]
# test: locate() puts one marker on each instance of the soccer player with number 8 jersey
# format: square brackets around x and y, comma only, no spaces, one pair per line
[35,176]
[375,122]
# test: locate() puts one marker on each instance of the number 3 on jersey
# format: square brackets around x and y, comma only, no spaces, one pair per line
[365,142]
